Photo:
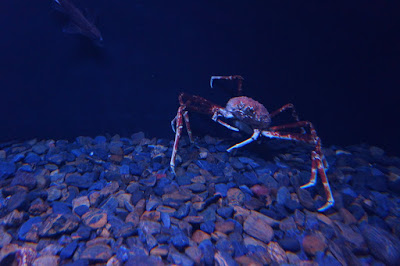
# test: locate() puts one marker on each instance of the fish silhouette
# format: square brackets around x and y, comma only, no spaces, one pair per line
[78,24]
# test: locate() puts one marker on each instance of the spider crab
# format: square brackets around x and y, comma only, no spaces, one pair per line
[256,116]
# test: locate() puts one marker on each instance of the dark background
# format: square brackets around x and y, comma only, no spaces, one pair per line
[336,61]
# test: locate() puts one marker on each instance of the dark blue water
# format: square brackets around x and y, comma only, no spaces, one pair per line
[337,62]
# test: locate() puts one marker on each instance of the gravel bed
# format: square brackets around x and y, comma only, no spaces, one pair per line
[113,201]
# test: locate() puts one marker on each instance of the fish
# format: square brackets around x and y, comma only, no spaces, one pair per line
[79,24]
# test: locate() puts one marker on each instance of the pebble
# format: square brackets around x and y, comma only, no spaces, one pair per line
[313,244]
[257,225]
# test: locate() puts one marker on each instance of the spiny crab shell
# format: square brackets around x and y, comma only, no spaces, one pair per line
[249,111]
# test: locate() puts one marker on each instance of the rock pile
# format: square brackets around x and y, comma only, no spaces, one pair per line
[113,200]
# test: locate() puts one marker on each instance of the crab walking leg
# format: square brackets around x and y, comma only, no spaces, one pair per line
[313,178]
[317,163]
[315,138]
[189,131]
[321,171]
[227,125]
[253,137]
[178,131]
[238,77]
[294,113]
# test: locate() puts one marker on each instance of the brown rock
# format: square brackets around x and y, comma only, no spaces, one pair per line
[313,243]
[276,252]
[97,253]
[25,255]
[132,218]
[225,227]
[194,253]
[57,224]
[94,198]
[287,224]
[161,250]
[80,201]
[150,227]
[260,190]
[235,196]
[151,216]
[246,260]
[47,260]
[240,214]
[38,207]
[199,236]
[13,219]
[194,219]
[348,218]
[98,241]
[95,218]
[109,189]
[259,226]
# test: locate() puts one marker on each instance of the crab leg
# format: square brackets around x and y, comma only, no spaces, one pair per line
[179,125]
[238,77]
[253,137]
[318,161]
[294,113]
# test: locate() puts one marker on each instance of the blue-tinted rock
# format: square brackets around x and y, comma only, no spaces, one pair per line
[124,169]
[18,201]
[61,207]
[67,169]
[29,227]
[136,196]
[180,259]
[40,148]
[68,250]
[239,248]
[283,195]
[26,168]
[83,232]
[221,189]
[290,244]
[97,253]
[207,248]
[79,181]
[225,212]
[58,224]
[182,211]
[136,169]
[110,205]
[100,139]
[32,158]
[179,240]
[24,179]
[53,193]
[166,219]
[208,227]
[57,158]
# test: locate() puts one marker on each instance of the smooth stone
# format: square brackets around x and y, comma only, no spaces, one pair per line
[235,196]
[68,250]
[276,252]
[382,245]
[97,253]
[313,244]
[95,218]
[257,225]
[179,240]
[289,244]
[25,179]
[46,260]
[58,224]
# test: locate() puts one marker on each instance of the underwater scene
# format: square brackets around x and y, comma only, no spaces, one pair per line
[199,132]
